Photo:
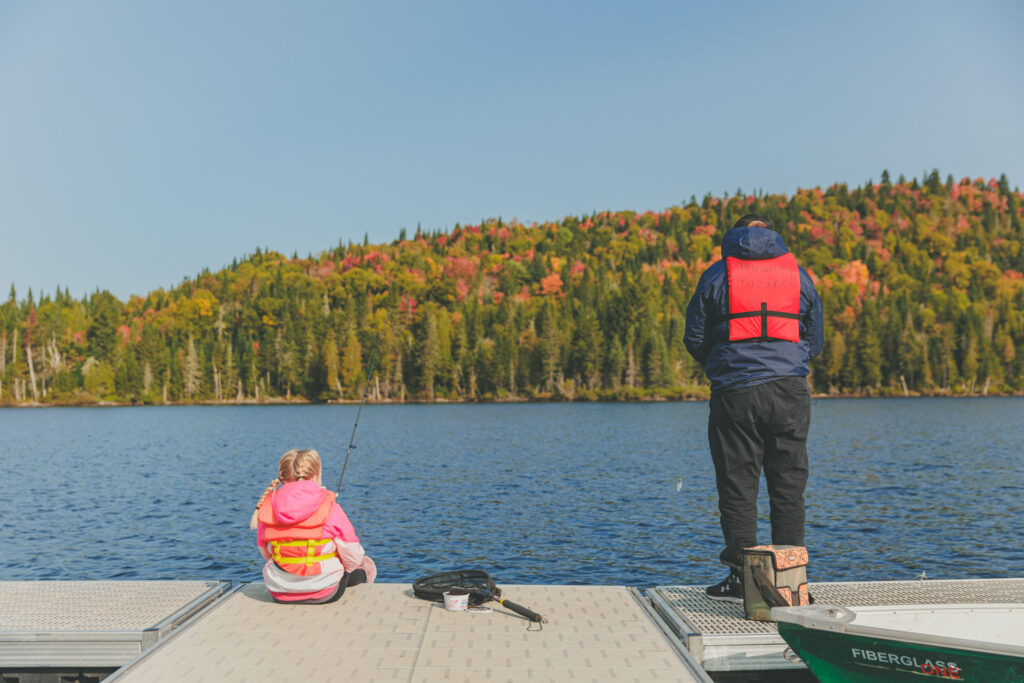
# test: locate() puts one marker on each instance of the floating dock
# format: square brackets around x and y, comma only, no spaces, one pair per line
[381,632]
[153,631]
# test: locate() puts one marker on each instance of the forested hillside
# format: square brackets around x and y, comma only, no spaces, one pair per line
[922,283]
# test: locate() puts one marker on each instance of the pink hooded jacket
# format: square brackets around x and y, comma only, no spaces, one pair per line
[294,502]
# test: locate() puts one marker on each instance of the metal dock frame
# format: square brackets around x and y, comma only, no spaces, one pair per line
[671,637]
[55,627]
[731,644]
[722,640]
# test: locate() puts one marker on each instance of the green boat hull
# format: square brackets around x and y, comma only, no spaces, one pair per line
[837,657]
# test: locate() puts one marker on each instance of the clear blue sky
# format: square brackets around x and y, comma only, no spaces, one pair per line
[141,141]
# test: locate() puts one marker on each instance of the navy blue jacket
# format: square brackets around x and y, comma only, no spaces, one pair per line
[731,365]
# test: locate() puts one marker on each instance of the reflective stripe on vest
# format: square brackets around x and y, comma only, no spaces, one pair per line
[764,299]
[312,548]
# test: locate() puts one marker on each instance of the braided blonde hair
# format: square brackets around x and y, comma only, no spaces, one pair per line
[296,464]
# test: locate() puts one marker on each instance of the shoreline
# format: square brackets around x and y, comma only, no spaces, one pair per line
[447,401]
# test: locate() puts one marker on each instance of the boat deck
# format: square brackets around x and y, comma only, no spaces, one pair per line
[720,639]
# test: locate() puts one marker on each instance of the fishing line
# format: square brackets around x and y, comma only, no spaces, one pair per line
[366,390]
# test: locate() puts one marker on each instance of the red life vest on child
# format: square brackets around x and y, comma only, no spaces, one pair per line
[764,299]
[296,547]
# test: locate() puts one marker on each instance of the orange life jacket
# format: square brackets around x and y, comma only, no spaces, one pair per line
[296,547]
[764,299]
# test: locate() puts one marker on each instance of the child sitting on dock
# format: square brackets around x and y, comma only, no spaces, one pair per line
[312,552]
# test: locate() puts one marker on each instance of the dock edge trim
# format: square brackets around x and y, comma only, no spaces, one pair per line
[691,664]
[191,621]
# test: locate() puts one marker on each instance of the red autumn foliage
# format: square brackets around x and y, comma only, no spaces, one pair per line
[878,247]
[461,267]
[820,233]
[551,284]
[856,273]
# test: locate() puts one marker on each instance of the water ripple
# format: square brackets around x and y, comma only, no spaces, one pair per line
[537,493]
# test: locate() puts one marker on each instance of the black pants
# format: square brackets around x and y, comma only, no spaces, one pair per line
[354,579]
[763,426]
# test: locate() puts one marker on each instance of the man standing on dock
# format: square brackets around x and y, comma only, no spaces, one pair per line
[754,324]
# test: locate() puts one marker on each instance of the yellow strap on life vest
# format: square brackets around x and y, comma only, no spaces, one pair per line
[311,545]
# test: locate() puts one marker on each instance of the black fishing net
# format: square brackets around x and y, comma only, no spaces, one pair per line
[478,582]
[480,586]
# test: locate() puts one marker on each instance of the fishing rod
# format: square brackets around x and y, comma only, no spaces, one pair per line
[366,390]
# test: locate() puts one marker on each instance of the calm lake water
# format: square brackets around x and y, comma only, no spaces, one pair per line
[535,493]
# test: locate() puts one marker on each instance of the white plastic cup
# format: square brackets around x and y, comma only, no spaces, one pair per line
[456,600]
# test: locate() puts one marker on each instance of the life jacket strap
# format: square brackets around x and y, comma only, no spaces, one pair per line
[312,546]
[763,315]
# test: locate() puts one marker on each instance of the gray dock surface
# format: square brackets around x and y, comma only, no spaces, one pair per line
[381,632]
[202,631]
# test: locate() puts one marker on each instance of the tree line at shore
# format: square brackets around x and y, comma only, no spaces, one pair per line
[922,284]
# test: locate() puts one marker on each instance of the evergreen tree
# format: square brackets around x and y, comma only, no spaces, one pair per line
[351,364]
[102,332]
[191,371]
[329,355]
[427,353]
